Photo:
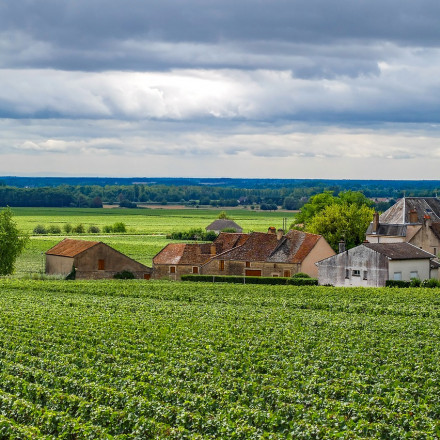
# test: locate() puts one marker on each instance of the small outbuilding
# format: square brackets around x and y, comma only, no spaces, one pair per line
[372,264]
[223,224]
[91,260]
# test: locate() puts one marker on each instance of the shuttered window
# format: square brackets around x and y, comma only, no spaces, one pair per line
[101,264]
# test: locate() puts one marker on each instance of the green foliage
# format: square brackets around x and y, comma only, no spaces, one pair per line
[342,221]
[79,229]
[54,229]
[72,274]
[119,227]
[415,282]
[431,283]
[223,215]
[227,230]
[89,360]
[268,207]
[300,275]
[12,242]
[67,228]
[193,234]
[397,283]
[316,205]
[107,229]
[251,280]
[124,275]
[92,229]
[40,229]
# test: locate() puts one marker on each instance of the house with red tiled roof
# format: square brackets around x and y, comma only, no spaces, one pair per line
[177,259]
[271,254]
[91,260]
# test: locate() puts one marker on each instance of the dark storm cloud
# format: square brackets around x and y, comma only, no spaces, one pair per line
[314,38]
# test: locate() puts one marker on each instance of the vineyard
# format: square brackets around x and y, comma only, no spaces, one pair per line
[137,360]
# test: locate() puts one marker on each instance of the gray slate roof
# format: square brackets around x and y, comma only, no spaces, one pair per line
[399,213]
[220,224]
[390,230]
[399,251]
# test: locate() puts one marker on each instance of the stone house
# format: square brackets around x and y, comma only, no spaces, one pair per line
[92,260]
[177,259]
[414,220]
[372,264]
[221,224]
[271,254]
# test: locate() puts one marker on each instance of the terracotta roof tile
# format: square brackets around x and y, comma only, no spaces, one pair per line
[183,253]
[71,248]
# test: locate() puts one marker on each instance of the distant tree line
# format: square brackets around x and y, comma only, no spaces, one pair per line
[291,197]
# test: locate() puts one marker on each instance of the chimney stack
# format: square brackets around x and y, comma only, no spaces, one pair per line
[213,249]
[280,234]
[413,217]
[427,220]
[271,230]
[341,246]
[375,222]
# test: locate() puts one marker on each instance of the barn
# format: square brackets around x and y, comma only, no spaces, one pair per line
[91,260]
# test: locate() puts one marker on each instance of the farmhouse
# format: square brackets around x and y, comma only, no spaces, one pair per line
[414,220]
[91,260]
[372,264]
[177,259]
[271,254]
[221,224]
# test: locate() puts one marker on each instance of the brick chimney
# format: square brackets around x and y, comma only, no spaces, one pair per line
[280,234]
[341,246]
[413,217]
[213,249]
[375,222]
[272,230]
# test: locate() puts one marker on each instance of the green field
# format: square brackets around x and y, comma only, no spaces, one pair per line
[136,360]
[147,221]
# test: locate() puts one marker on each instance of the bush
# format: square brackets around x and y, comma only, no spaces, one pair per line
[93,229]
[431,283]
[40,229]
[67,228]
[301,275]
[397,283]
[251,280]
[415,282]
[79,229]
[119,227]
[127,204]
[72,274]
[124,275]
[193,234]
[107,229]
[54,229]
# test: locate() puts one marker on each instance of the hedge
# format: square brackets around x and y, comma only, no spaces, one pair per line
[251,280]
[431,283]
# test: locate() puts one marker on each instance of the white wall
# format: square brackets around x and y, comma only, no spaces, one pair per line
[422,266]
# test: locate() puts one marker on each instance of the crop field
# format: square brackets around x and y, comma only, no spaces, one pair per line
[138,360]
[146,221]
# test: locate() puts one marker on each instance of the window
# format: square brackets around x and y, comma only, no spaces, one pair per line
[101,264]
[365,275]
[195,269]
[248,264]
[397,275]
[347,273]
[172,269]
[435,251]
[414,274]
[356,273]
[221,265]
[286,273]
[274,275]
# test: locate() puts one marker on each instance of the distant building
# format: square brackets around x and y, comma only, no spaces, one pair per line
[221,224]
[91,260]
[414,220]
[372,264]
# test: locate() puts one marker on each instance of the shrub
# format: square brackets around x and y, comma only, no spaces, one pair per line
[127,204]
[67,228]
[79,229]
[397,283]
[415,282]
[107,229]
[54,229]
[72,274]
[431,283]
[40,229]
[250,280]
[124,275]
[301,275]
[94,229]
[119,227]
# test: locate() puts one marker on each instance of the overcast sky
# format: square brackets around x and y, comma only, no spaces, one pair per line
[220,88]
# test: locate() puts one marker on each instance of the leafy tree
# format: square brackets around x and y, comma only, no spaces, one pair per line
[11,243]
[223,215]
[342,221]
[315,205]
